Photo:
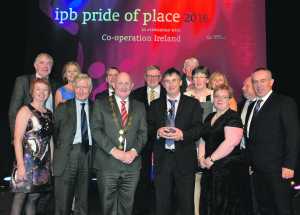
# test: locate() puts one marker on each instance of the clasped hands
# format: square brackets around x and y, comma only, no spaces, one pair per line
[170,133]
[205,162]
[125,157]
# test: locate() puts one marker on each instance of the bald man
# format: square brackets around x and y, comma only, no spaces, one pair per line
[120,132]
[273,133]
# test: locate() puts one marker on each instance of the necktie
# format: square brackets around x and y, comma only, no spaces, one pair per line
[257,107]
[170,144]
[124,114]
[84,130]
[152,95]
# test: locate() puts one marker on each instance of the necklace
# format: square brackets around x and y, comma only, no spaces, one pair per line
[122,130]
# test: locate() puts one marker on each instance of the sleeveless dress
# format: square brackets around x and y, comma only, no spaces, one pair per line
[66,94]
[36,154]
[221,185]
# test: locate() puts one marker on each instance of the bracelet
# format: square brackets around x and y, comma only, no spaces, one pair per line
[211,159]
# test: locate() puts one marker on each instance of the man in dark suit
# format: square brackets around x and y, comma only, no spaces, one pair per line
[111,75]
[120,132]
[175,124]
[21,95]
[144,196]
[73,154]
[188,66]
[273,132]
[245,106]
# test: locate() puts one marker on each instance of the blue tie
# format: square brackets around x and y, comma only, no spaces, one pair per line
[170,122]
[84,130]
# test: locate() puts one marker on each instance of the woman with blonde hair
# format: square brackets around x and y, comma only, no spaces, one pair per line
[70,70]
[217,79]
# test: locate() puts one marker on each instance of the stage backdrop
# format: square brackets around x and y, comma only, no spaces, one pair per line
[225,35]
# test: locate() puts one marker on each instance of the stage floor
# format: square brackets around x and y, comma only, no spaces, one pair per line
[6,199]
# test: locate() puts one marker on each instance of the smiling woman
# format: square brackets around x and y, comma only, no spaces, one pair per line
[33,131]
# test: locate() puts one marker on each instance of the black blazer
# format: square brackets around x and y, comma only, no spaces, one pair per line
[65,122]
[184,84]
[274,135]
[102,95]
[140,94]
[189,120]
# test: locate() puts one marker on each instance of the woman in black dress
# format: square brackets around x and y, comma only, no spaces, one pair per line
[220,156]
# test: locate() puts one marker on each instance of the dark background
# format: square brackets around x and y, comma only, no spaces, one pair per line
[26,33]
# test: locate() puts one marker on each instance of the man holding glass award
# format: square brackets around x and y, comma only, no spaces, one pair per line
[120,133]
[175,123]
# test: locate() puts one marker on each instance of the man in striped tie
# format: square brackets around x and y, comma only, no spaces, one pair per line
[120,133]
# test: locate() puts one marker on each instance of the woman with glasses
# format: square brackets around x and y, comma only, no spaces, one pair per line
[220,156]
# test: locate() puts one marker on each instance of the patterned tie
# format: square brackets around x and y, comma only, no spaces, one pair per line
[84,129]
[152,95]
[171,123]
[256,108]
[124,114]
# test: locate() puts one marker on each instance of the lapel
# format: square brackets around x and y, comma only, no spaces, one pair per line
[180,107]
[145,96]
[250,107]
[73,115]
[116,109]
[90,108]
[265,106]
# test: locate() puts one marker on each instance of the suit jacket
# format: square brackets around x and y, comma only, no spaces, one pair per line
[240,107]
[189,120]
[141,95]
[106,133]
[21,96]
[65,122]
[102,95]
[184,83]
[274,135]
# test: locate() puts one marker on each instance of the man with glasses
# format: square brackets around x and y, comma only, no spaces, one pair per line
[144,197]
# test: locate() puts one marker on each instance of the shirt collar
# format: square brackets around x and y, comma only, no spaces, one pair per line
[176,98]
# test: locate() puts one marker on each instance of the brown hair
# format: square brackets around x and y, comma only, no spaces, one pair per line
[41,81]
[224,87]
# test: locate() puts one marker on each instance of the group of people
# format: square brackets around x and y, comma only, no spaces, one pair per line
[181,144]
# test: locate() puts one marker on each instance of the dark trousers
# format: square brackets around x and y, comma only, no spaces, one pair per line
[144,195]
[273,194]
[168,181]
[116,191]
[73,182]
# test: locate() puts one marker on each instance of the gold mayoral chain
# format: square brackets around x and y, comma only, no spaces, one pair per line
[122,130]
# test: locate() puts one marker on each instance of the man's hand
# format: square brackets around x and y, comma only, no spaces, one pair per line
[170,133]
[118,154]
[130,156]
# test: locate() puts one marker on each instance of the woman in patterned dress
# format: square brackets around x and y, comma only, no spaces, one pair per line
[33,131]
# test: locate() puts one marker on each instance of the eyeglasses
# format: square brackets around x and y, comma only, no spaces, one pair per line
[152,76]
[222,97]
[199,77]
